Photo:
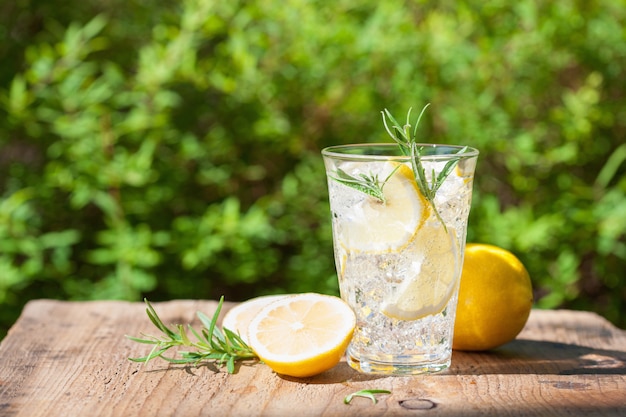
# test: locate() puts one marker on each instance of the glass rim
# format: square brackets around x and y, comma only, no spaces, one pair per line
[348,151]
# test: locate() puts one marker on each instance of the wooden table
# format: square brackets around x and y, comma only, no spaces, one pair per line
[70,359]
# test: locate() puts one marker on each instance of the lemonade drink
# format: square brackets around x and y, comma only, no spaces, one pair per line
[399,250]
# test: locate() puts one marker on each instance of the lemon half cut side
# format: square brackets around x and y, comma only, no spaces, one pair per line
[430,289]
[302,335]
[373,226]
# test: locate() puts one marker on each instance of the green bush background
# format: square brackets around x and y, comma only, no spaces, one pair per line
[171,149]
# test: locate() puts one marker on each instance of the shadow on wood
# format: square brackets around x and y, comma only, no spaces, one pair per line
[540,357]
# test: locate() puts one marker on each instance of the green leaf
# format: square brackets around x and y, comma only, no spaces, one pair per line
[366,393]
[368,184]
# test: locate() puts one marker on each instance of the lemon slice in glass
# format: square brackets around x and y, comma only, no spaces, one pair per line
[374,226]
[430,289]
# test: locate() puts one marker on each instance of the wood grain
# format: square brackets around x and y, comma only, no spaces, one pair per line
[70,359]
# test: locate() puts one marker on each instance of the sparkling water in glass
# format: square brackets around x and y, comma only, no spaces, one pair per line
[399,254]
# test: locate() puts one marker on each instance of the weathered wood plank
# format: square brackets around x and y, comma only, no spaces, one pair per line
[70,359]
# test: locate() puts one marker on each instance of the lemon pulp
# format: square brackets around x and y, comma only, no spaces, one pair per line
[238,318]
[302,335]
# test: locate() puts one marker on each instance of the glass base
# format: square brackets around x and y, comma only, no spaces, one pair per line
[403,366]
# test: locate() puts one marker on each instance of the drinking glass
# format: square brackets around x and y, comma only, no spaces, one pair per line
[399,226]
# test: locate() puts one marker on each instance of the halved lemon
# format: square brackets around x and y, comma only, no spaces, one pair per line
[238,318]
[302,335]
[430,289]
[374,226]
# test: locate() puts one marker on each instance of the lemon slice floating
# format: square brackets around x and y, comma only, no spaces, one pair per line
[238,318]
[430,289]
[377,227]
[302,335]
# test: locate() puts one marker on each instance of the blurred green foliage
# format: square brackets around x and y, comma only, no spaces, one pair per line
[170,149]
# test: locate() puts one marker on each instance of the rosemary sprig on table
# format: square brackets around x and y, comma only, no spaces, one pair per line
[224,347]
[407,140]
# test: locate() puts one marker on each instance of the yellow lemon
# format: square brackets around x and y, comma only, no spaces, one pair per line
[238,318]
[375,226]
[303,334]
[495,298]
[430,289]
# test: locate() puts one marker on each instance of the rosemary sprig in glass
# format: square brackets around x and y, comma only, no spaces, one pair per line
[405,135]
[407,140]
[368,184]
[223,347]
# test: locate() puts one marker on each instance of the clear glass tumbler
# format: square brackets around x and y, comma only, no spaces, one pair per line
[399,226]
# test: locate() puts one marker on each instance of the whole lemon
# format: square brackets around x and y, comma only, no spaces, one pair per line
[495,298]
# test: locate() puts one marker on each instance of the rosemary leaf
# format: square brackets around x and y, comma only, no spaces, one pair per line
[367,393]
